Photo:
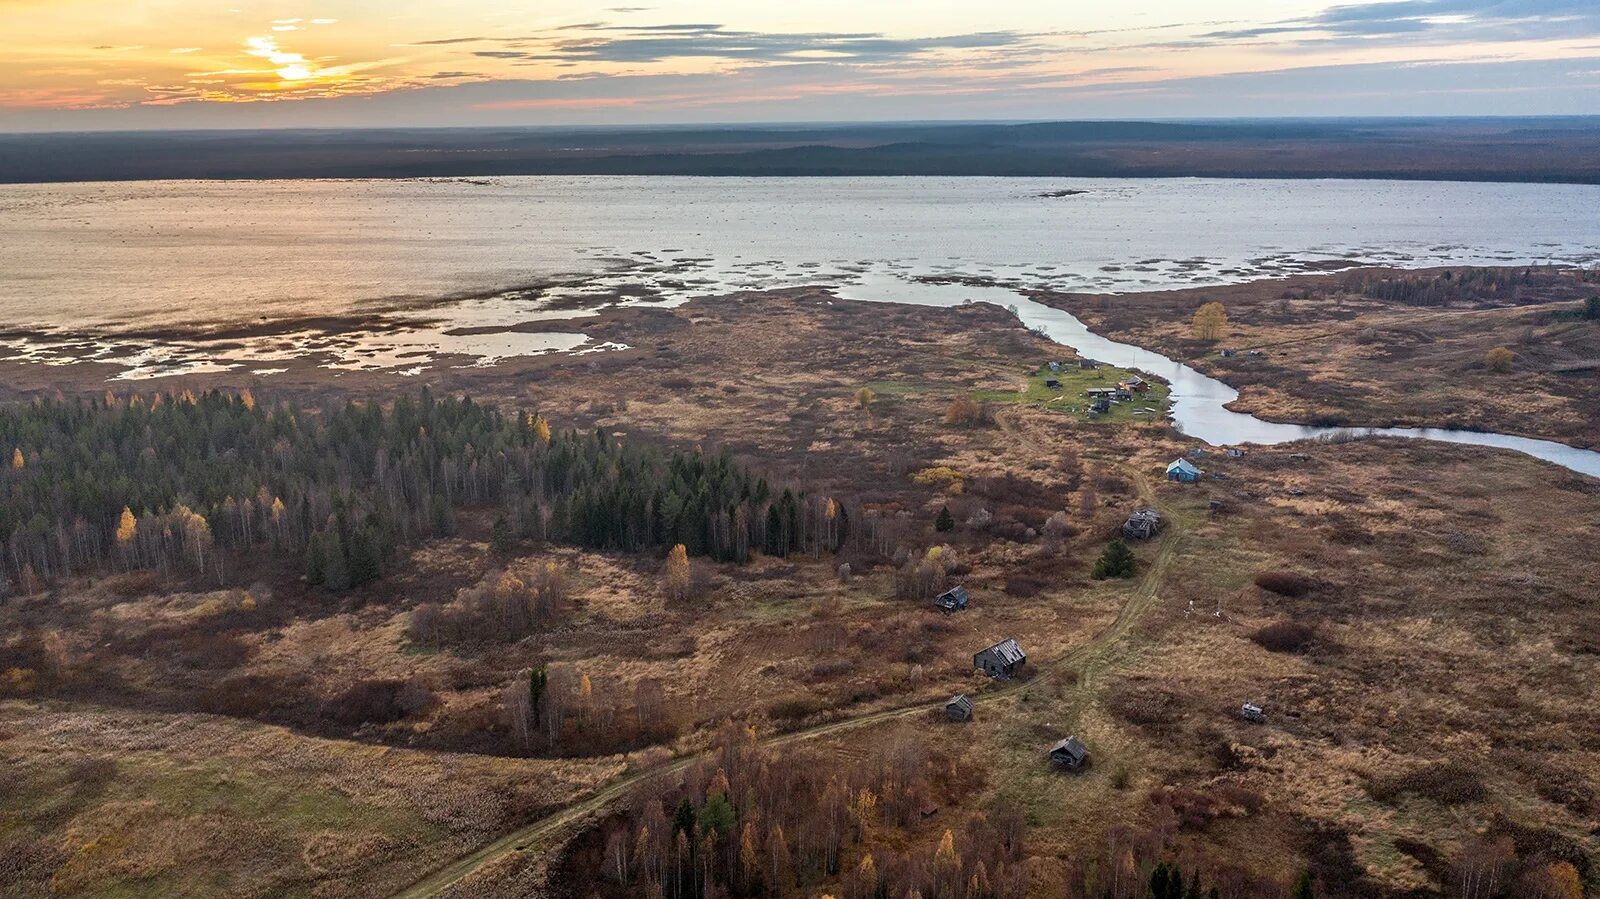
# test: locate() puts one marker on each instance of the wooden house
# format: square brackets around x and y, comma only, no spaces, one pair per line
[1135,384]
[1069,754]
[1253,713]
[952,600]
[1183,470]
[959,708]
[1142,524]
[1002,660]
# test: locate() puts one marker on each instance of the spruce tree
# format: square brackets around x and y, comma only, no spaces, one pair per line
[500,538]
[945,522]
[336,566]
[1116,561]
[1303,888]
[316,561]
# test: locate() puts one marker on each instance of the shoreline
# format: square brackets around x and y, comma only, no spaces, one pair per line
[603,326]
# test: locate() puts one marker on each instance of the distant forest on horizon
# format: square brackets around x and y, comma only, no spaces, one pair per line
[1542,149]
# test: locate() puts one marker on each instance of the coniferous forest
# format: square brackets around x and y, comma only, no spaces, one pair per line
[184,481]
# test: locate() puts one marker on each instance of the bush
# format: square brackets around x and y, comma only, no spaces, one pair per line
[793,707]
[965,412]
[1591,309]
[1116,561]
[378,701]
[1449,783]
[1285,636]
[1285,583]
[1500,359]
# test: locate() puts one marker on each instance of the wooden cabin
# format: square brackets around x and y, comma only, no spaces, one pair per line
[1252,713]
[1142,524]
[1069,754]
[952,600]
[1002,661]
[959,708]
[1183,470]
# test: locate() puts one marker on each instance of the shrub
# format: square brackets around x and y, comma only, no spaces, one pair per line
[793,707]
[1285,636]
[1500,359]
[964,411]
[1285,583]
[1116,561]
[378,701]
[1449,783]
[1591,309]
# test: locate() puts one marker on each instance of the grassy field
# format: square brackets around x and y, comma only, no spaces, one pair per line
[1448,617]
[1072,398]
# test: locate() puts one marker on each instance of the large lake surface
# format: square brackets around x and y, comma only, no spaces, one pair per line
[97,270]
[158,253]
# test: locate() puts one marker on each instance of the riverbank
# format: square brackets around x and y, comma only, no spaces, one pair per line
[1332,351]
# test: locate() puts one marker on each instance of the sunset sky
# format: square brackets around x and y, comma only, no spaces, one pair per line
[89,64]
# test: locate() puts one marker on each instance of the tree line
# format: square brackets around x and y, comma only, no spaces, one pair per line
[186,482]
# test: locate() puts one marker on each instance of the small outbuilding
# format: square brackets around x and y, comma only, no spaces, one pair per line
[1252,713]
[1136,384]
[1183,470]
[959,708]
[1100,406]
[1001,661]
[1053,383]
[1088,365]
[1069,754]
[1142,524]
[1055,366]
[952,600]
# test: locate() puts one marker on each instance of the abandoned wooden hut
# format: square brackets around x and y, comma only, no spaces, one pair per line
[1142,524]
[952,600]
[1253,713]
[1183,470]
[1055,366]
[1069,754]
[1088,365]
[959,708]
[1053,383]
[1002,660]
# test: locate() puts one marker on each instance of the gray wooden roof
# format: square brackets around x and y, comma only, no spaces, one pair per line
[1009,651]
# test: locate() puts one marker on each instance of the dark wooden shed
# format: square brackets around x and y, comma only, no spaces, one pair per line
[952,600]
[959,708]
[1002,660]
[1069,754]
[1142,524]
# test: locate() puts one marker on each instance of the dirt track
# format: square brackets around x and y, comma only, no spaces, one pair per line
[1086,661]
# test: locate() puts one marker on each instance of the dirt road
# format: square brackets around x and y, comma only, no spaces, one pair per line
[1088,662]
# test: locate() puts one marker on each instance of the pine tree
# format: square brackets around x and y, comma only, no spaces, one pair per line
[1303,888]
[945,522]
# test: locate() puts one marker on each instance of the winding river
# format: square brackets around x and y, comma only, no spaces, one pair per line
[1199,403]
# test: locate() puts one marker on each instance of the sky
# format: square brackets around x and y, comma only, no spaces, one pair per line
[126,64]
